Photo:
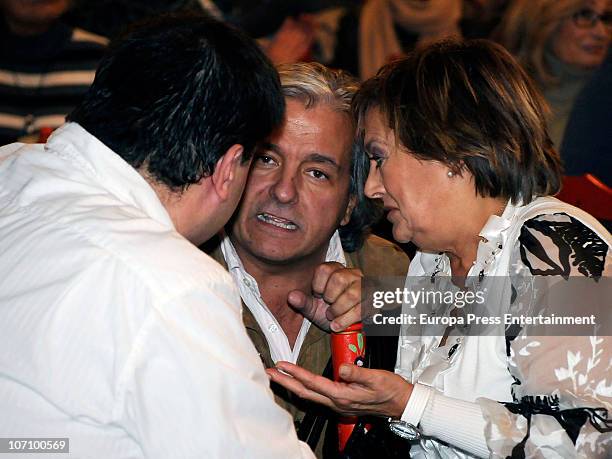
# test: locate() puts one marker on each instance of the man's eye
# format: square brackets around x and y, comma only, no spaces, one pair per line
[318,174]
[265,160]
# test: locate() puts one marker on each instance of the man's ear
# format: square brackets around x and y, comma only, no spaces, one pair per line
[349,210]
[229,172]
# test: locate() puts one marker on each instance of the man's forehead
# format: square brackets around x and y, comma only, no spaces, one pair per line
[317,134]
[306,156]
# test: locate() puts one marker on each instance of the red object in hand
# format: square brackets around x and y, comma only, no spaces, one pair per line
[44,134]
[347,346]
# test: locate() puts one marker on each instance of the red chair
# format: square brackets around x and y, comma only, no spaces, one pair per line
[588,193]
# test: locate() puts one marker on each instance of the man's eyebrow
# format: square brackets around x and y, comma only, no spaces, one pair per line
[313,157]
[270,146]
[321,158]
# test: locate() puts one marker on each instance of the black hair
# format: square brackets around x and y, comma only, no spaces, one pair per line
[174,93]
[366,211]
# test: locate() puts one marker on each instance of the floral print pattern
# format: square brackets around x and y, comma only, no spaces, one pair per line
[562,386]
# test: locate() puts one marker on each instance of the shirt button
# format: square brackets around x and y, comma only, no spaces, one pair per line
[246,282]
[273,328]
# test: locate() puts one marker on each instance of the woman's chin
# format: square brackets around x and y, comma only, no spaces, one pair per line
[401,235]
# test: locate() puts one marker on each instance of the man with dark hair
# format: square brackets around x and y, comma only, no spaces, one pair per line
[116,332]
[296,246]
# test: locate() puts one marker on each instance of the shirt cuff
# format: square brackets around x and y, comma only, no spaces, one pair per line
[416,404]
[456,422]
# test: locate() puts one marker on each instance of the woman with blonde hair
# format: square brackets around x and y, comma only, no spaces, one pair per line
[559,43]
[383,21]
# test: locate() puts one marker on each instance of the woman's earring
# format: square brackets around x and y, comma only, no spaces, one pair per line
[450,174]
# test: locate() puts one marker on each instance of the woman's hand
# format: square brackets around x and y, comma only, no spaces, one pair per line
[363,391]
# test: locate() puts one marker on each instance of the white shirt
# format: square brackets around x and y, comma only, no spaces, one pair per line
[455,393]
[115,331]
[249,291]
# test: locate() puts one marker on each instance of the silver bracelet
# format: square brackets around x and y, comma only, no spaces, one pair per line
[404,430]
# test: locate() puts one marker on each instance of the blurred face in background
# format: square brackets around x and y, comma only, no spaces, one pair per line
[32,16]
[582,39]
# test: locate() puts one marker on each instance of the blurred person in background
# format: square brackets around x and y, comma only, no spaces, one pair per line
[110,17]
[293,42]
[46,67]
[587,144]
[481,17]
[388,28]
[288,30]
[560,43]
[370,35]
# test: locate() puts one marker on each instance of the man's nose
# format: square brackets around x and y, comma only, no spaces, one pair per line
[285,189]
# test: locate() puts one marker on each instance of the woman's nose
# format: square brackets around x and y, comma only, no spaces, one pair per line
[374,188]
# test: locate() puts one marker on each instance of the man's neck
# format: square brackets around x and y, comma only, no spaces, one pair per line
[275,281]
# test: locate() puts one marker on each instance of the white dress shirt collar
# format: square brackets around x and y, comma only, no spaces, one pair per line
[107,168]
[249,291]
[494,234]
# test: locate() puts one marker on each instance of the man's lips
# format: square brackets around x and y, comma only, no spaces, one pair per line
[277,221]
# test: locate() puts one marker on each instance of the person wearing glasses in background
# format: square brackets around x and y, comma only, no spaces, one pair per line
[560,43]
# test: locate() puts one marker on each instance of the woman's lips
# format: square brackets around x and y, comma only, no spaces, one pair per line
[392,212]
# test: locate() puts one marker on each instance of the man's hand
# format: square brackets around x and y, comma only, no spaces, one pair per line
[335,302]
[363,391]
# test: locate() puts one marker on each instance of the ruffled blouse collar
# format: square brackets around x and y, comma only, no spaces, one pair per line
[493,238]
